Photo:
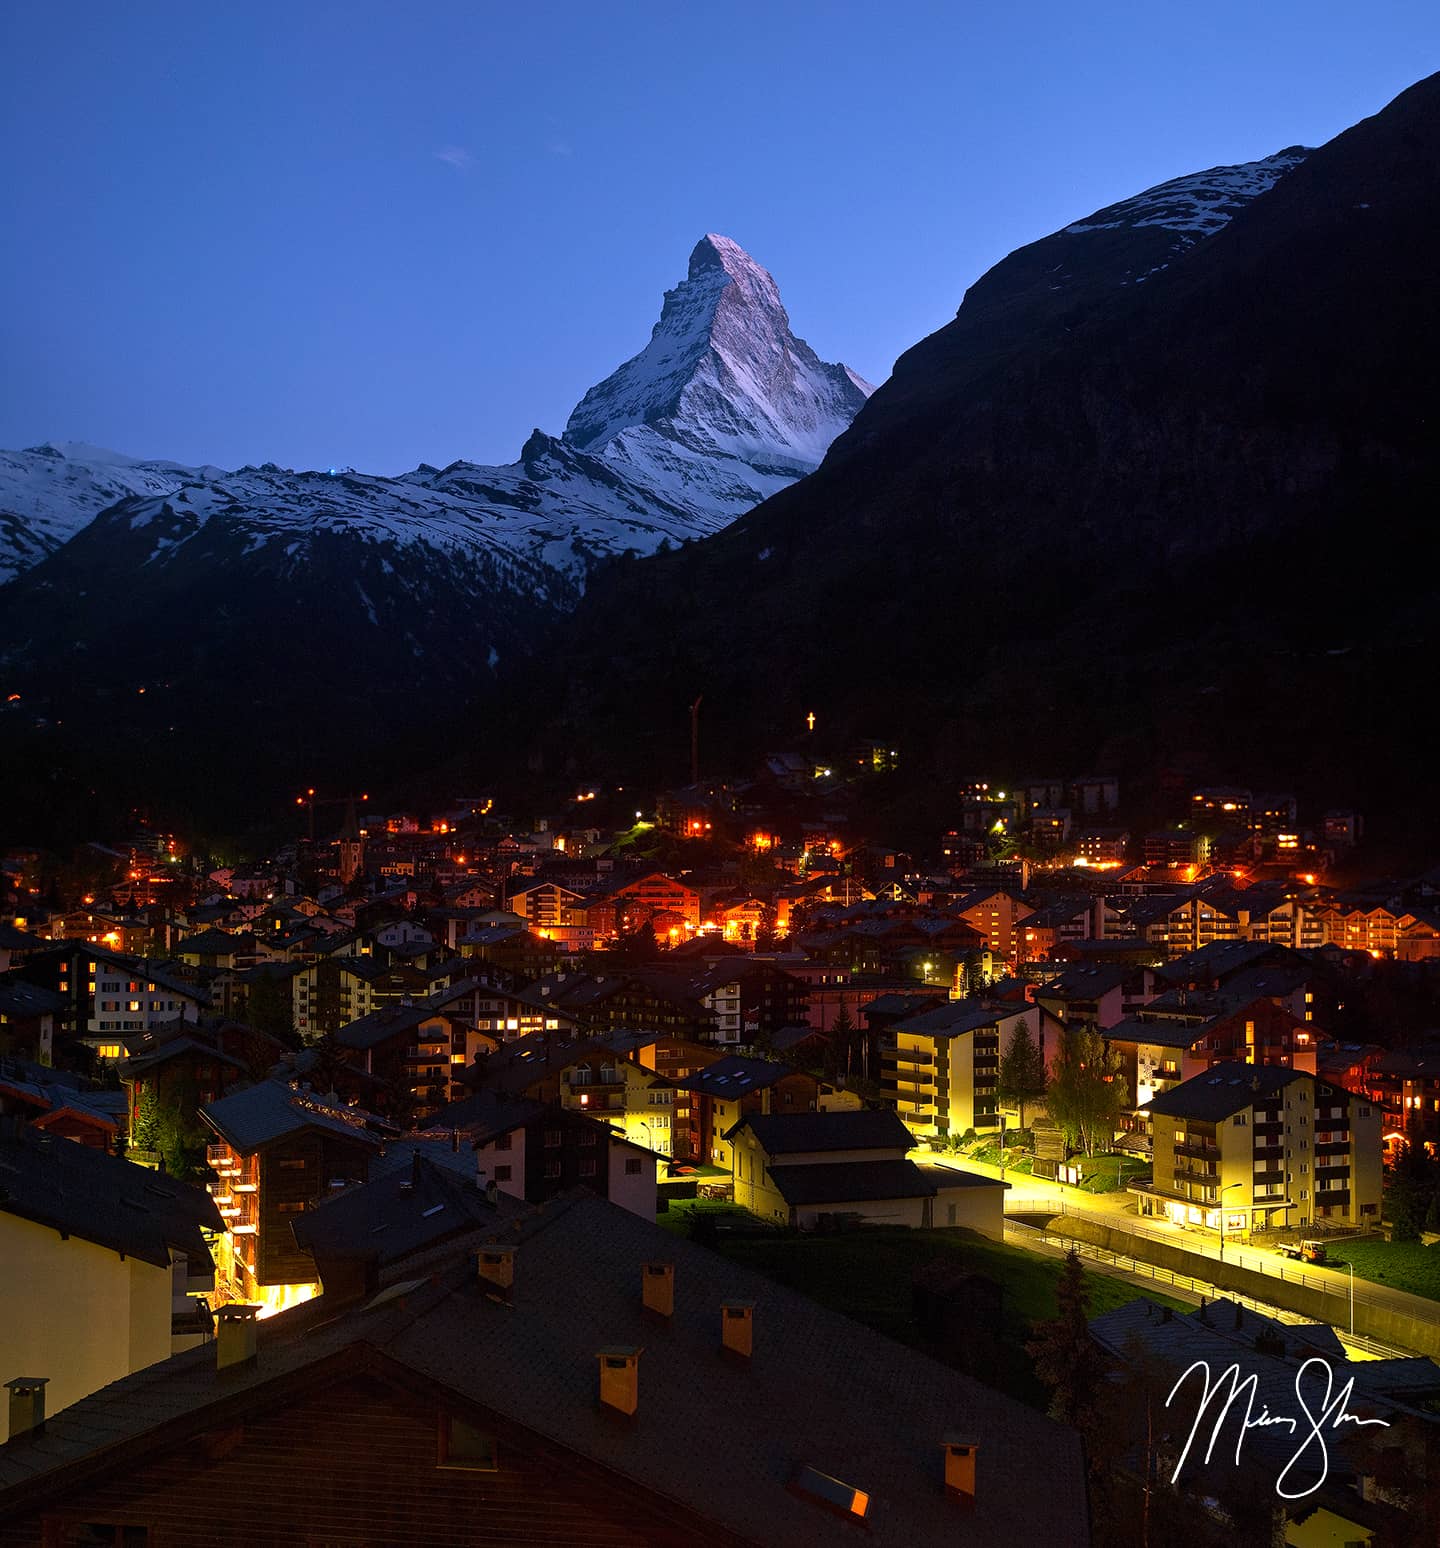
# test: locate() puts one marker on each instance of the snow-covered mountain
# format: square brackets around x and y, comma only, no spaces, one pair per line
[48,493]
[723,407]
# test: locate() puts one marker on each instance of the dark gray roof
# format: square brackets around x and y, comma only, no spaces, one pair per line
[409,1208]
[81,1191]
[956,1017]
[820,1391]
[734,1075]
[838,1182]
[1084,981]
[23,1000]
[957,1177]
[383,1024]
[793,1133]
[261,1114]
[1160,1034]
[1223,1089]
[488,1113]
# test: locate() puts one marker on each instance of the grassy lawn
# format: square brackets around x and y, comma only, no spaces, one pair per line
[1108,1174]
[1401,1265]
[731,1217]
[866,1274]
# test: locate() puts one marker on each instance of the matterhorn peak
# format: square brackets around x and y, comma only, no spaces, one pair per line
[722,378]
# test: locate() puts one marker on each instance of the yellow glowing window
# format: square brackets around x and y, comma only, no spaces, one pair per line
[109,1050]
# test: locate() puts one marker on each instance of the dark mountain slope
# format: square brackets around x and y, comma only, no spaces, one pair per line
[1174,522]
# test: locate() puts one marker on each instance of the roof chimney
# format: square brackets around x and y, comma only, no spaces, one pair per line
[960,1453]
[737,1328]
[497,1272]
[620,1378]
[657,1288]
[27,1404]
[235,1335]
[492,1192]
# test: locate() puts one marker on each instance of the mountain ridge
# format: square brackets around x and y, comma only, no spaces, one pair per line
[1093,523]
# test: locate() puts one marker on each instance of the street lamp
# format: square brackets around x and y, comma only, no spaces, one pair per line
[1226,1189]
[1351,1267]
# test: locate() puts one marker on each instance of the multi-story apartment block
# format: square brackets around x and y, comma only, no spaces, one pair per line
[1245,1147]
[942,1069]
[108,995]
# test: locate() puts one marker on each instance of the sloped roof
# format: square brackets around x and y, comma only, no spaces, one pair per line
[956,1017]
[735,1075]
[820,1390]
[270,1110]
[410,1207]
[81,1191]
[1223,1089]
[783,1134]
[839,1182]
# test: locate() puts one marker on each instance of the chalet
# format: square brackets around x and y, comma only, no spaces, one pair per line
[28,1018]
[538,1150]
[420,1196]
[415,1050]
[627,1000]
[654,899]
[748,1001]
[63,1104]
[98,1260]
[555,1375]
[510,949]
[1095,994]
[734,1087]
[277,1153]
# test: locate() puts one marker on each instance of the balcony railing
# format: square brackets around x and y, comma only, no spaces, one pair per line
[1205,1150]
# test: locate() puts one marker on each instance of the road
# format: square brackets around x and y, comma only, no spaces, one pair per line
[1119,1209]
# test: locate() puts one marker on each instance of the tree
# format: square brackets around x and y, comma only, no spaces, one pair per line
[843,1038]
[1407,1199]
[1087,1090]
[1021,1076]
[1066,1358]
[765,929]
[269,1007]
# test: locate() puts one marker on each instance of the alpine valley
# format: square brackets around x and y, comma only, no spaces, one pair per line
[1147,502]
[1156,500]
[192,607]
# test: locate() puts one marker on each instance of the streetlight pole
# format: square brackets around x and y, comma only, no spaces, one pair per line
[1351,1267]
[1226,1189]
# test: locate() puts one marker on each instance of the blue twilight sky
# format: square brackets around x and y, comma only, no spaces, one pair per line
[375,233]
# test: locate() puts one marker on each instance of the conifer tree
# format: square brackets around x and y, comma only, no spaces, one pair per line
[1021,1075]
[1066,1358]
